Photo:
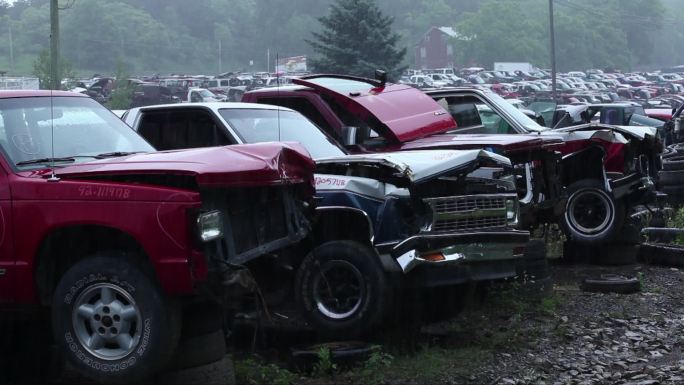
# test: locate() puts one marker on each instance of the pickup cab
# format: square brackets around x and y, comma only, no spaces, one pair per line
[117,242]
[386,222]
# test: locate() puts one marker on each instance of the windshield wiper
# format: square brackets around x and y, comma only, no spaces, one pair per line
[46,160]
[116,153]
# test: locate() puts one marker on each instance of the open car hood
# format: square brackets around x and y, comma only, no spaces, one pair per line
[403,112]
[635,132]
[246,165]
[416,167]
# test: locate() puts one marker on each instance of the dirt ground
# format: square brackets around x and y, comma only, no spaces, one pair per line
[567,337]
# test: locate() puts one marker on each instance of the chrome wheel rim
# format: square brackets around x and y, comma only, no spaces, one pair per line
[338,289]
[590,211]
[107,321]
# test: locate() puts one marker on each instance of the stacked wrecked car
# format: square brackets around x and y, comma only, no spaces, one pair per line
[589,179]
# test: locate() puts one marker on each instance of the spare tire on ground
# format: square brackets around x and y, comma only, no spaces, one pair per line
[611,283]
[342,354]
[662,254]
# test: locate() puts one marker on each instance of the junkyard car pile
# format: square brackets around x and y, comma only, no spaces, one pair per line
[328,199]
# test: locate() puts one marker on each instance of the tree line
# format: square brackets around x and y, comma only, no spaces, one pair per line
[163,36]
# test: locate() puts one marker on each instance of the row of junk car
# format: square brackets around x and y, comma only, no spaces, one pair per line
[326,202]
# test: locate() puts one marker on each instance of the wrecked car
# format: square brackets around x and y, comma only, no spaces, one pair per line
[410,219]
[607,169]
[122,251]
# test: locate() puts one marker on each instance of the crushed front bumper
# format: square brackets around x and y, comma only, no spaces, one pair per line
[438,260]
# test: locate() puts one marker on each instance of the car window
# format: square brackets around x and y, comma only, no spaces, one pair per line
[472,115]
[181,129]
[303,106]
[264,125]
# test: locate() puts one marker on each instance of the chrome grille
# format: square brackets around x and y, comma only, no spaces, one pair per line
[471,212]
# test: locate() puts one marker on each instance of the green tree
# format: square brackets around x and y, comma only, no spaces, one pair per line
[41,69]
[357,39]
[122,94]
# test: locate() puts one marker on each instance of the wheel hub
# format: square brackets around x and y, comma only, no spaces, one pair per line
[107,321]
[590,212]
[338,289]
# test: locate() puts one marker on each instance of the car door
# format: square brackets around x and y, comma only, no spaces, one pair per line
[8,263]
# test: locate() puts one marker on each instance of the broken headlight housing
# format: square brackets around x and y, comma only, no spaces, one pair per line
[210,225]
[512,211]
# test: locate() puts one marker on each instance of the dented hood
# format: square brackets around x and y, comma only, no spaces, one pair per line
[403,112]
[422,166]
[501,143]
[246,165]
[635,132]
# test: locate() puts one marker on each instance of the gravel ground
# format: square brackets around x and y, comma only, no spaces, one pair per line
[590,338]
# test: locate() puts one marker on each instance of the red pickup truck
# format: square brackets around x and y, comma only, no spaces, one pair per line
[124,245]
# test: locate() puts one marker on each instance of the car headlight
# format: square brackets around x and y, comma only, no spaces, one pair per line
[210,225]
[511,210]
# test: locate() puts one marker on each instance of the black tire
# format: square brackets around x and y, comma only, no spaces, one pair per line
[671,178]
[675,194]
[610,283]
[674,163]
[199,350]
[534,265]
[200,319]
[221,372]
[617,254]
[591,215]
[662,254]
[358,267]
[130,303]
[345,354]
[668,153]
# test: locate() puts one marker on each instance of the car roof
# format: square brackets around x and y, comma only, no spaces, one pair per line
[217,106]
[5,94]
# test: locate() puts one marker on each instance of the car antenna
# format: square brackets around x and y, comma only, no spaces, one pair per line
[278,90]
[53,175]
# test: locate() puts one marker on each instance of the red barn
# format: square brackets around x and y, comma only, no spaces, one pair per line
[434,50]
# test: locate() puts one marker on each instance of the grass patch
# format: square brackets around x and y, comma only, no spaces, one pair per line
[253,372]
[429,365]
[549,305]
[677,220]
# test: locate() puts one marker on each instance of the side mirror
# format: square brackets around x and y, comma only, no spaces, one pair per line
[349,135]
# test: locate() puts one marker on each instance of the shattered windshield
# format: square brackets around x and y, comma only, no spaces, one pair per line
[75,127]
[255,126]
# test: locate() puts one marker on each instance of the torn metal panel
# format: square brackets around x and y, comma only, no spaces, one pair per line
[421,166]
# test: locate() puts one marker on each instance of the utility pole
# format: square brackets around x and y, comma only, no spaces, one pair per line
[220,69]
[11,48]
[553,51]
[54,45]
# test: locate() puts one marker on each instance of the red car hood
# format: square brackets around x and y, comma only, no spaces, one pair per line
[246,165]
[404,112]
[506,144]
